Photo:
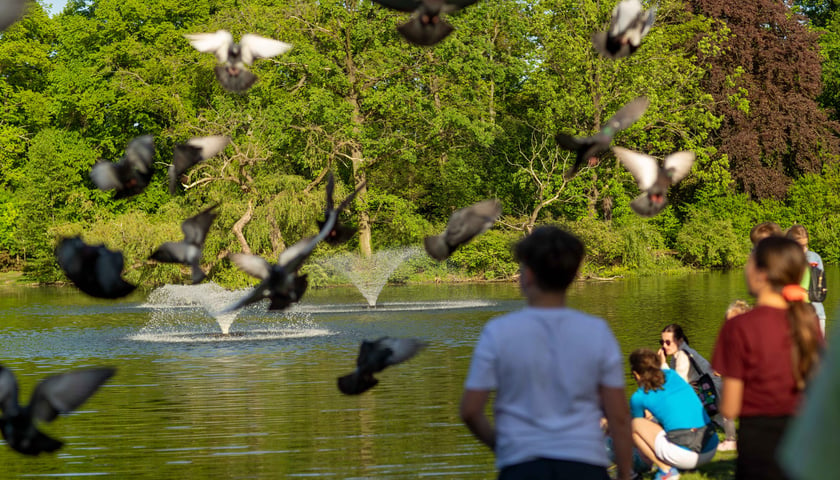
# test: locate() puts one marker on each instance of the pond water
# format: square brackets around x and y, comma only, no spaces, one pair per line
[263,403]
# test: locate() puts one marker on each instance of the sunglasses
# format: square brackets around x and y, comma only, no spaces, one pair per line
[665,343]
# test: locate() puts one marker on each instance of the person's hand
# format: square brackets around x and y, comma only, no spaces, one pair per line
[660,354]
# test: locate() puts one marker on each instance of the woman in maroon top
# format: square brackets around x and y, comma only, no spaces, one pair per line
[767,355]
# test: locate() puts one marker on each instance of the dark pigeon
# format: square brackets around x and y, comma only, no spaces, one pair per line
[196,150]
[188,251]
[281,283]
[233,57]
[590,148]
[426,26]
[654,180]
[464,224]
[56,394]
[629,24]
[132,174]
[374,357]
[340,233]
[94,269]
[10,12]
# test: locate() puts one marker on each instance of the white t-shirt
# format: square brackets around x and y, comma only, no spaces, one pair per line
[546,365]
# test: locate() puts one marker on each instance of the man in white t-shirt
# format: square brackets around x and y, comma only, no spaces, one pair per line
[556,371]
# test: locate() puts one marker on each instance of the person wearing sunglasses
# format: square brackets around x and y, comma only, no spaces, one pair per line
[690,366]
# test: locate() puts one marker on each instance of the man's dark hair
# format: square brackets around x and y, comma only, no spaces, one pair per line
[554,256]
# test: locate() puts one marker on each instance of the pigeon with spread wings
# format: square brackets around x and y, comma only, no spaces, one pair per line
[629,24]
[233,57]
[654,180]
[426,26]
[590,148]
[463,225]
[132,174]
[280,282]
[374,357]
[94,269]
[188,251]
[194,151]
[56,394]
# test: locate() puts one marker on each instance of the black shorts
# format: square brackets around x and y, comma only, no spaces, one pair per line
[550,469]
[758,440]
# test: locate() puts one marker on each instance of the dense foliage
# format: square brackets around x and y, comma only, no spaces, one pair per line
[429,130]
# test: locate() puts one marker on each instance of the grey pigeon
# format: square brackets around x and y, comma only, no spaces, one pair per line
[463,225]
[194,151]
[426,26]
[10,12]
[374,357]
[590,148]
[233,57]
[629,24]
[340,233]
[188,251]
[94,269]
[280,282]
[132,174]
[654,180]
[56,394]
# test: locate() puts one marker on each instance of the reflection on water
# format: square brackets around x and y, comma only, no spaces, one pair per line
[188,402]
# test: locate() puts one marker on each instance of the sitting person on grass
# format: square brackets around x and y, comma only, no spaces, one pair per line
[684,437]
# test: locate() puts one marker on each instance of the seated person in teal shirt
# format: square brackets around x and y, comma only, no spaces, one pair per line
[684,437]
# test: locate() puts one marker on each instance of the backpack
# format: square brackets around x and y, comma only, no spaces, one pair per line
[816,287]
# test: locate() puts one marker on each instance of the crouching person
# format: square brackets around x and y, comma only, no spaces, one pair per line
[684,437]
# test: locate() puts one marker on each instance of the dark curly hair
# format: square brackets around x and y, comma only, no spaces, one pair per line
[554,255]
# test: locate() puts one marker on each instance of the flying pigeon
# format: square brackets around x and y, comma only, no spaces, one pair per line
[196,150]
[188,251]
[131,174]
[426,27]
[339,233]
[654,180]
[10,12]
[281,282]
[56,394]
[628,26]
[233,57]
[590,148]
[374,357]
[464,224]
[94,269]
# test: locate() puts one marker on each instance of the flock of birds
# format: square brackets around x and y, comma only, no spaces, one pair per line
[97,271]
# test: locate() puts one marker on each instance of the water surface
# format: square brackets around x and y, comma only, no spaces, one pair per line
[262,403]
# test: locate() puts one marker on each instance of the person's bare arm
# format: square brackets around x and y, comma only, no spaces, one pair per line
[732,397]
[618,417]
[472,413]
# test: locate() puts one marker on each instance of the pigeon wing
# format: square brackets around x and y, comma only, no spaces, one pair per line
[678,165]
[293,257]
[140,153]
[216,43]
[643,167]
[195,228]
[105,176]
[10,12]
[330,190]
[402,348]
[255,46]
[209,146]
[624,16]
[65,392]
[628,114]
[183,157]
[466,223]
[253,265]
[8,392]
[401,5]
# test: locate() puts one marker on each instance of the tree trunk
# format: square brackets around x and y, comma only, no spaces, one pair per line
[240,224]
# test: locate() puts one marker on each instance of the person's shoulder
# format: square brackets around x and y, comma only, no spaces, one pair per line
[756,315]
[813,256]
